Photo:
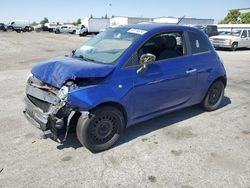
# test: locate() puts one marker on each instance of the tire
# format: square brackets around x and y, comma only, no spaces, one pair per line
[11,28]
[214,96]
[101,129]
[57,31]
[73,32]
[234,46]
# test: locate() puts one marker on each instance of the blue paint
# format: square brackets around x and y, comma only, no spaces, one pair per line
[163,88]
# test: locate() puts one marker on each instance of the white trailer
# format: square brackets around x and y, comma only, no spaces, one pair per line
[94,25]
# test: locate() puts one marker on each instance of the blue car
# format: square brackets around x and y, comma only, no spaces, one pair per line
[121,77]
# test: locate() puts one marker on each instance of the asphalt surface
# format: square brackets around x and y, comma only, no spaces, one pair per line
[187,148]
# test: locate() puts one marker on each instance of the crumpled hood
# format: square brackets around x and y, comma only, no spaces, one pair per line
[56,72]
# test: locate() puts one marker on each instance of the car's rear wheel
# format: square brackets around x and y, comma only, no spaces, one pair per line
[214,96]
[234,46]
[101,129]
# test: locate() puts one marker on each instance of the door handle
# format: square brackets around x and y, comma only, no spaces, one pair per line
[189,71]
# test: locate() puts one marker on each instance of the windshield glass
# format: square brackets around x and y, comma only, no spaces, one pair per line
[108,46]
[224,33]
[236,33]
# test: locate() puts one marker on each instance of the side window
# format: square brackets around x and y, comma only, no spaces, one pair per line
[164,46]
[249,33]
[244,34]
[198,43]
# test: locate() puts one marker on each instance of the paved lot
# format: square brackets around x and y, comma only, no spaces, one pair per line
[188,148]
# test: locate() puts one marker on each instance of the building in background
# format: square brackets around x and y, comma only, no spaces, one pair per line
[243,10]
[184,21]
[230,27]
[123,20]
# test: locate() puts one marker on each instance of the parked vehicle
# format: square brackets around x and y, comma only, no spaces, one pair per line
[66,29]
[20,25]
[94,26]
[79,29]
[210,30]
[3,27]
[224,33]
[233,40]
[121,77]
[51,27]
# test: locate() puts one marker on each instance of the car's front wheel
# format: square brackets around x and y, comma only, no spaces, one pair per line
[234,46]
[214,96]
[101,129]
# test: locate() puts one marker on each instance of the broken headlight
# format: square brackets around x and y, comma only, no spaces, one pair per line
[29,77]
[63,93]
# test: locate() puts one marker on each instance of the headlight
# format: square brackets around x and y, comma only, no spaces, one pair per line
[63,93]
[28,78]
[228,41]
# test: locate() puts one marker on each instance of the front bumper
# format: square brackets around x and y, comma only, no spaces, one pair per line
[35,115]
[221,44]
[45,110]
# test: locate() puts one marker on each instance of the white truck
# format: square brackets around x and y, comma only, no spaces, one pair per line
[19,25]
[94,26]
[237,38]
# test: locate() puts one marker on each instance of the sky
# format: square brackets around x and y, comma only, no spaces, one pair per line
[70,10]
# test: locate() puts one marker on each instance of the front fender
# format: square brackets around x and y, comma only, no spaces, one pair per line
[86,98]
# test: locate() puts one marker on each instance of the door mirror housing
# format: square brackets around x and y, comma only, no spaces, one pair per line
[145,60]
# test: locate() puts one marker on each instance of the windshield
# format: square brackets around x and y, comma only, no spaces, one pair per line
[108,46]
[224,33]
[236,33]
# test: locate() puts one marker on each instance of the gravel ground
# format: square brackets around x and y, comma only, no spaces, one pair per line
[187,148]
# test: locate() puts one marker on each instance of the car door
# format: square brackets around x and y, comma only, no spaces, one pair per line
[64,29]
[169,82]
[244,39]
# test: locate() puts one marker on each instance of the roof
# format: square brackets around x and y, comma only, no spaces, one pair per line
[157,26]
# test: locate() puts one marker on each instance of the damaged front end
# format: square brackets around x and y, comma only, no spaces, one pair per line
[46,107]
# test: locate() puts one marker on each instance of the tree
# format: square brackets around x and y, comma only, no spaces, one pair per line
[232,17]
[77,22]
[34,24]
[106,16]
[245,18]
[44,21]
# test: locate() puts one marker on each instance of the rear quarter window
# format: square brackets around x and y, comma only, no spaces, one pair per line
[198,43]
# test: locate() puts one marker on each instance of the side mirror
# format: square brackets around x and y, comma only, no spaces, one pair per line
[145,60]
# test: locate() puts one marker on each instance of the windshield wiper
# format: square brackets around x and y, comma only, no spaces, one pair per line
[86,59]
